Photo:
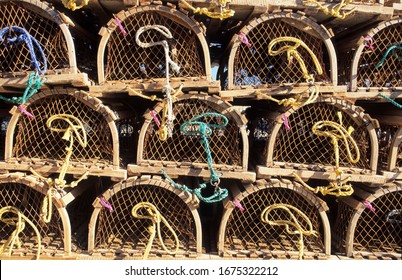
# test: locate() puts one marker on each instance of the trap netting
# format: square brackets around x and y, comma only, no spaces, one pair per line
[246,235]
[225,143]
[120,232]
[4,121]
[41,25]
[18,192]
[363,231]
[252,65]
[389,147]
[381,65]
[296,142]
[128,61]
[34,140]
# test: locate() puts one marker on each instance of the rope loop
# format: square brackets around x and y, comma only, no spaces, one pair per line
[336,11]
[222,14]
[153,214]
[391,50]
[72,4]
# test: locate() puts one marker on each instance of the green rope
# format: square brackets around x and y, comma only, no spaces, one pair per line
[392,49]
[393,102]
[194,127]
[33,85]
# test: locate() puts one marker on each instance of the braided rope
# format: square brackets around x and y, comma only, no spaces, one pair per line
[222,14]
[336,11]
[295,223]
[195,127]
[393,102]
[156,218]
[391,50]
[72,5]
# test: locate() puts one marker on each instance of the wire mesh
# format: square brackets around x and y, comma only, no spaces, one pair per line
[254,66]
[119,230]
[128,61]
[17,59]
[246,232]
[301,145]
[29,202]
[34,140]
[225,144]
[389,74]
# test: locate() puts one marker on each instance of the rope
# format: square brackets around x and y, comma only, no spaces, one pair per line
[72,5]
[222,14]
[19,223]
[394,216]
[392,49]
[203,130]
[293,53]
[156,218]
[60,183]
[295,223]
[29,40]
[393,102]
[166,128]
[336,11]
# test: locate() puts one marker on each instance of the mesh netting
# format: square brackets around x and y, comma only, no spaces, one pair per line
[254,66]
[301,145]
[246,231]
[4,120]
[29,202]
[34,140]
[389,74]
[399,157]
[340,228]
[344,67]
[225,144]
[120,230]
[45,31]
[127,61]
[128,131]
[385,135]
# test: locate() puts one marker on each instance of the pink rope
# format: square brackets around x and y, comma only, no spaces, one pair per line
[158,123]
[25,112]
[368,205]
[286,121]
[244,40]
[118,22]
[238,204]
[368,42]
[106,204]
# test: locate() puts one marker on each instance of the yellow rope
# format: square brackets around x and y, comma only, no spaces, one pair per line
[156,218]
[292,52]
[336,11]
[19,224]
[295,223]
[222,14]
[72,5]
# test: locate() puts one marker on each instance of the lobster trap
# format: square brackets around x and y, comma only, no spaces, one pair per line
[126,55]
[40,144]
[26,194]
[250,64]
[375,58]
[294,147]
[180,154]
[115,231]
[369,224]
[246,233]
[47,26]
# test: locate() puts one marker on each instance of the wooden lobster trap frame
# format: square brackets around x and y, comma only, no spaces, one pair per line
[31,144]
[186,156]
[144,68]
[254,67]
[48,27]
[118,234]
[293,147]
[243,234]
[375,64]
[369,224]
[395,153]
[26,193]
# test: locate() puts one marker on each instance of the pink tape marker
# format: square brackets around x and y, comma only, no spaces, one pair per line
[244,39]
[368,42]
[25,112]
[118,22]
[158,123]
[286,121]
[106,204]
[238,204]
[368,205]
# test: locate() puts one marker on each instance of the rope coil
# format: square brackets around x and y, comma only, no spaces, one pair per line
[72,4]
[298,229]
[156,218]
[222,14]
[336,11]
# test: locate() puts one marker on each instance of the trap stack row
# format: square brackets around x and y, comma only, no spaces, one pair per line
[264,155]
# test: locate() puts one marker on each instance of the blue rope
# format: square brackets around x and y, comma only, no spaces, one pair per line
[30,41]
[194,127]
[393,102]
[392,50]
